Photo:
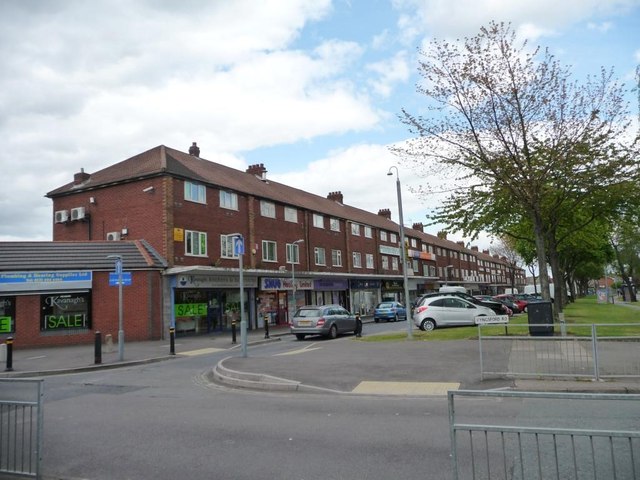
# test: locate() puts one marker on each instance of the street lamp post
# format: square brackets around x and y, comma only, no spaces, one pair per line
[293,272]
[118,260]
[403,254]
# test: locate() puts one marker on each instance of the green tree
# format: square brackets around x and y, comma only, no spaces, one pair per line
[518,137]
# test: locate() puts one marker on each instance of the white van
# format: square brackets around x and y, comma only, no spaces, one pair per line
[535,289]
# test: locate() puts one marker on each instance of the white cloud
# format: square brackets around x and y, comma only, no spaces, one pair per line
[390,72]
[459,18]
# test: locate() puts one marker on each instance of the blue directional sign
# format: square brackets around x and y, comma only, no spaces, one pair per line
[238,246]
[118,265]
[113,278]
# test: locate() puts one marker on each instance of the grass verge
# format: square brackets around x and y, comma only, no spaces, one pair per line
[579,316]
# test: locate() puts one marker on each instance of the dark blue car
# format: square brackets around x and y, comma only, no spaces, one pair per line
[389,311]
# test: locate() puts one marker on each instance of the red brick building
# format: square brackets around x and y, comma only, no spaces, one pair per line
[61,293]
[296,244]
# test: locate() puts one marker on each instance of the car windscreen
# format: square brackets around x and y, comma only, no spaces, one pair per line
[385,305]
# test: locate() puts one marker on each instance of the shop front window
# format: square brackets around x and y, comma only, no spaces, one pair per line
[65,311]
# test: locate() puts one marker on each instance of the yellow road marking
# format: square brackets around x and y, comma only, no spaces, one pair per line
[406,388]
[202,351]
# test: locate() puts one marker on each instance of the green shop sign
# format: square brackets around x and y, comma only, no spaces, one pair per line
[191,310]
[5,325]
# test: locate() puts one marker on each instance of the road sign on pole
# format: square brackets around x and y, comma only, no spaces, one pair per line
[238,245]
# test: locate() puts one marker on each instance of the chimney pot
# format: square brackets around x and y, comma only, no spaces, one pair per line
[80,177]
[194,150]
[385,212]
[336,197]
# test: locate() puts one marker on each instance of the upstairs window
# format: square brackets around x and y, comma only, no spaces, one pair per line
[269,253]
[336,258]
[318,221]
[267,209]
[319,256]
[355,229]
[369,260]
[195,244]
[228,200]
[383,235]
[357,260]
[291,214]
[293,253]
[226,246]
[368,232]
[334,223]
[194,192]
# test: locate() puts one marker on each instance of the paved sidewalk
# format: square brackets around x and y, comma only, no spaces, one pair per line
[30,362]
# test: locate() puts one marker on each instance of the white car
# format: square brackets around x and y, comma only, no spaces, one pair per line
[447,311]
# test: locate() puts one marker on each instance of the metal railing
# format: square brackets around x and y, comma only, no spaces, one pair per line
[532,447]
[587,352]
[21,418]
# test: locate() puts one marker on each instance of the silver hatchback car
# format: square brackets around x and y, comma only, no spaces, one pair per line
[327,320]
[447,311]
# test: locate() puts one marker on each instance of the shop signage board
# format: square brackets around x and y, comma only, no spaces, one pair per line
[35,281]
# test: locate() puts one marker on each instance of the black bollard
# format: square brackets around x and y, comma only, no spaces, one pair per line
[266,326]
[9,355]
[358,326]
[172,341]
[233,332]
[97,348]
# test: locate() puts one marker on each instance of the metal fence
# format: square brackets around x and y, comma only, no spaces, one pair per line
[550,436]
[21,419]
[598,351]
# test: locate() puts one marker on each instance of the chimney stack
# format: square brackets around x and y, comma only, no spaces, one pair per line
[336,197]
[419,227]
[258,170]
[385,212]
[80,177]
[194,150]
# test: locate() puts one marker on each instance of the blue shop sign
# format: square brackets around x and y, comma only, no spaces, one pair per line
[330,284]
[35,281]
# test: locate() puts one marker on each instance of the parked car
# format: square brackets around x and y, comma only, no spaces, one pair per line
[326,320]
[514,298]
[389,311]
[447,310]
[505,300]
[497,307]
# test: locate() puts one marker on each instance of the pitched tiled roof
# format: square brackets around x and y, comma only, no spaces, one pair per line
[164,160]
[41,256]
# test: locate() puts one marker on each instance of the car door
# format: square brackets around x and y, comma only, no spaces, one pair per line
[460,312]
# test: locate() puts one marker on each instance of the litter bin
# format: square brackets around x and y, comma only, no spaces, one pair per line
[540,313]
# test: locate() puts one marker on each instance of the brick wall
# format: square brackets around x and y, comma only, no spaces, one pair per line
[142,314]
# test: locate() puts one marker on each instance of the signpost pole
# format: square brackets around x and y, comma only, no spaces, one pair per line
[238,249]
[118,259]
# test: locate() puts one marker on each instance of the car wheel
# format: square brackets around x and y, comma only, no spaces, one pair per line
[333,332]
[427,325]
[395,318]
[376,320]
[300,336]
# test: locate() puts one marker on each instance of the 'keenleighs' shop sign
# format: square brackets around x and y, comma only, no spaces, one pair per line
[65,311]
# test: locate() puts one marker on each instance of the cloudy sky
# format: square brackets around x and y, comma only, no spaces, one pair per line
[310,88]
